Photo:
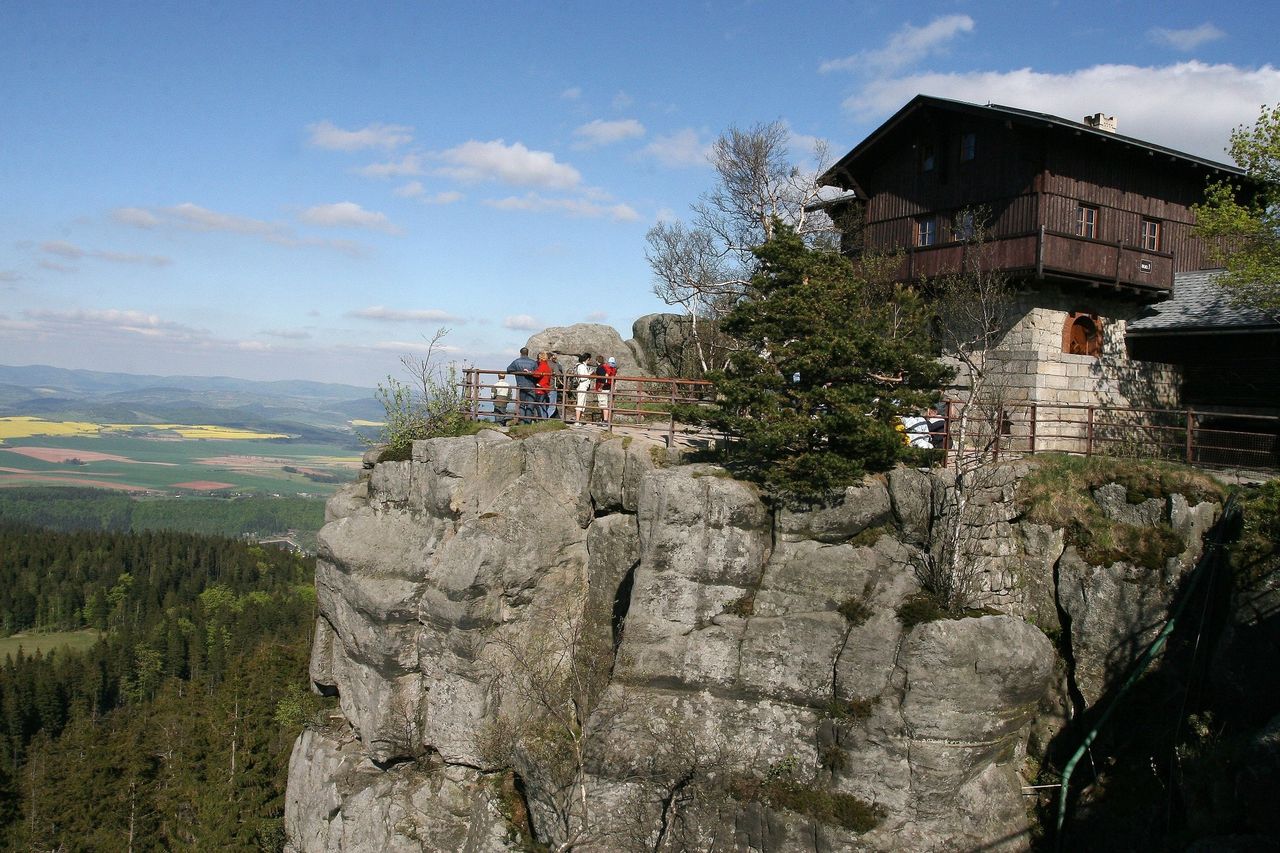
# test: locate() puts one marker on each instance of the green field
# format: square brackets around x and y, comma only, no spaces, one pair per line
[163,465]
[44,643]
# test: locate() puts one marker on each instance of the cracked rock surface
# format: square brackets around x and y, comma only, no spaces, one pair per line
[732,642]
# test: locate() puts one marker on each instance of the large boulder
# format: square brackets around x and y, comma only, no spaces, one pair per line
[595,338]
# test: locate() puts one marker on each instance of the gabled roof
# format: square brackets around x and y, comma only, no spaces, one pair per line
[1198,304]
[1013,114]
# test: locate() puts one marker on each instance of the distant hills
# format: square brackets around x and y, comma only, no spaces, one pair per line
[312,410]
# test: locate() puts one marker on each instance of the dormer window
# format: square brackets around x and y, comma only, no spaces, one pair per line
[968,146]
[926,231]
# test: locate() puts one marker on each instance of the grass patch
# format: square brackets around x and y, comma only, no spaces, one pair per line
[812,801]
[536,428]
[871,535]
[920,608]
[1059,493]
[30,643]
[855,610]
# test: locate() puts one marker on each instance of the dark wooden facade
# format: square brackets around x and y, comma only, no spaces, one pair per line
[1028,174]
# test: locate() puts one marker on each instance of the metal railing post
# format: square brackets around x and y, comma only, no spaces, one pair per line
[1032,414]
[1191,431]
[1088,442]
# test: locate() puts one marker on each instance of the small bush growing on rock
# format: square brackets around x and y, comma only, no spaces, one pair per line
[918,609]
[782,791]
[527,430]
[855,610]
[430,406]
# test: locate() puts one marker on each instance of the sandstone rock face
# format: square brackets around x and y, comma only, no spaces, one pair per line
[595,338]
[557,638]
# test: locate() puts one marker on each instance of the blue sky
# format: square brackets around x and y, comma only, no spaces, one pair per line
[305,190]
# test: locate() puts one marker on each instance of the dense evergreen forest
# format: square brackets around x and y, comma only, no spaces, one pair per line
[173,730]
[69,508]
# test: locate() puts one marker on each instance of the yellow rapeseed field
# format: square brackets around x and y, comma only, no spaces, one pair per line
[25,427]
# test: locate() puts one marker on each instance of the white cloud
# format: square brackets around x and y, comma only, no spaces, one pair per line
[193,217]
[573,93]
[406,166]
[287,334]
[521,323]
[602,132]
[622,100]
[410,346]
[413,189]
[446,197]
[474,161]
[393,315]
[198,218]
[70,251]
[9,276]
[586,208]
[114,320]
[682,148]
[1188,39]
[347,214]
[325,134]
[1190,106]
[597,317]
[63,249]
[907,46]
[135,216]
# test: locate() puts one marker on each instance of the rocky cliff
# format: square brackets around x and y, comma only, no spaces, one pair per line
[569,641]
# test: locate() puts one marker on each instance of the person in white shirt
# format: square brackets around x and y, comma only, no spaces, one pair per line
[502,388]
[582,384]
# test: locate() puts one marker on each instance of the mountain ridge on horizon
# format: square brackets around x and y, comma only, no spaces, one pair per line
[86,381]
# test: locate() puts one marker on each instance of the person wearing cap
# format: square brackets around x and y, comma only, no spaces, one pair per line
[606,369]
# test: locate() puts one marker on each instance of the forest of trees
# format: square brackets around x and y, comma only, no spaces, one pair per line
[173,730]
[66,508]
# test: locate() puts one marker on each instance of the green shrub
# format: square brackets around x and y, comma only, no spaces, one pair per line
[855,610]
[919,608]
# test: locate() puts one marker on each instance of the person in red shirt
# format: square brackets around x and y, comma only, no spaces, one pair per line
[606,369]
[542,382]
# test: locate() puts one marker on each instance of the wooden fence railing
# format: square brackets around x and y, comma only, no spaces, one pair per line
[634,400]
[1206,439]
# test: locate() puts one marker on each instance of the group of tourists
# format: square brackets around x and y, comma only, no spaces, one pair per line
[927,431]
[542,388]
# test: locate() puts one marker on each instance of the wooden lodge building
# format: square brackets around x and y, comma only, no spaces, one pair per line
[1095,228]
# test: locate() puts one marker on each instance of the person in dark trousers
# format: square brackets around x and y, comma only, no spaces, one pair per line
[522,369]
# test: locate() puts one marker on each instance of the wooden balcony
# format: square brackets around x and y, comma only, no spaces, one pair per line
[1048,254]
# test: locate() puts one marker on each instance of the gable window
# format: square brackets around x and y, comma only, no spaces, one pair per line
[926,231]
[1087,221]
[928,159]
[1082,334]
[1151,235]
[968,147]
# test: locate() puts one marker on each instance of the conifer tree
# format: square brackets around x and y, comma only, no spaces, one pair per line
[831,353]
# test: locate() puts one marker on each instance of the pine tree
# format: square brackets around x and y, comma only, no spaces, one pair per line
[831,353]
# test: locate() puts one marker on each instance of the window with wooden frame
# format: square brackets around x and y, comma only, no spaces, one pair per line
[1082,334]
[926,231]
[963,226]
[968,146]
[1087,221]
[1151,234]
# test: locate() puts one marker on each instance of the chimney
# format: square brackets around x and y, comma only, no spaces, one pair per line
[1098,121]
